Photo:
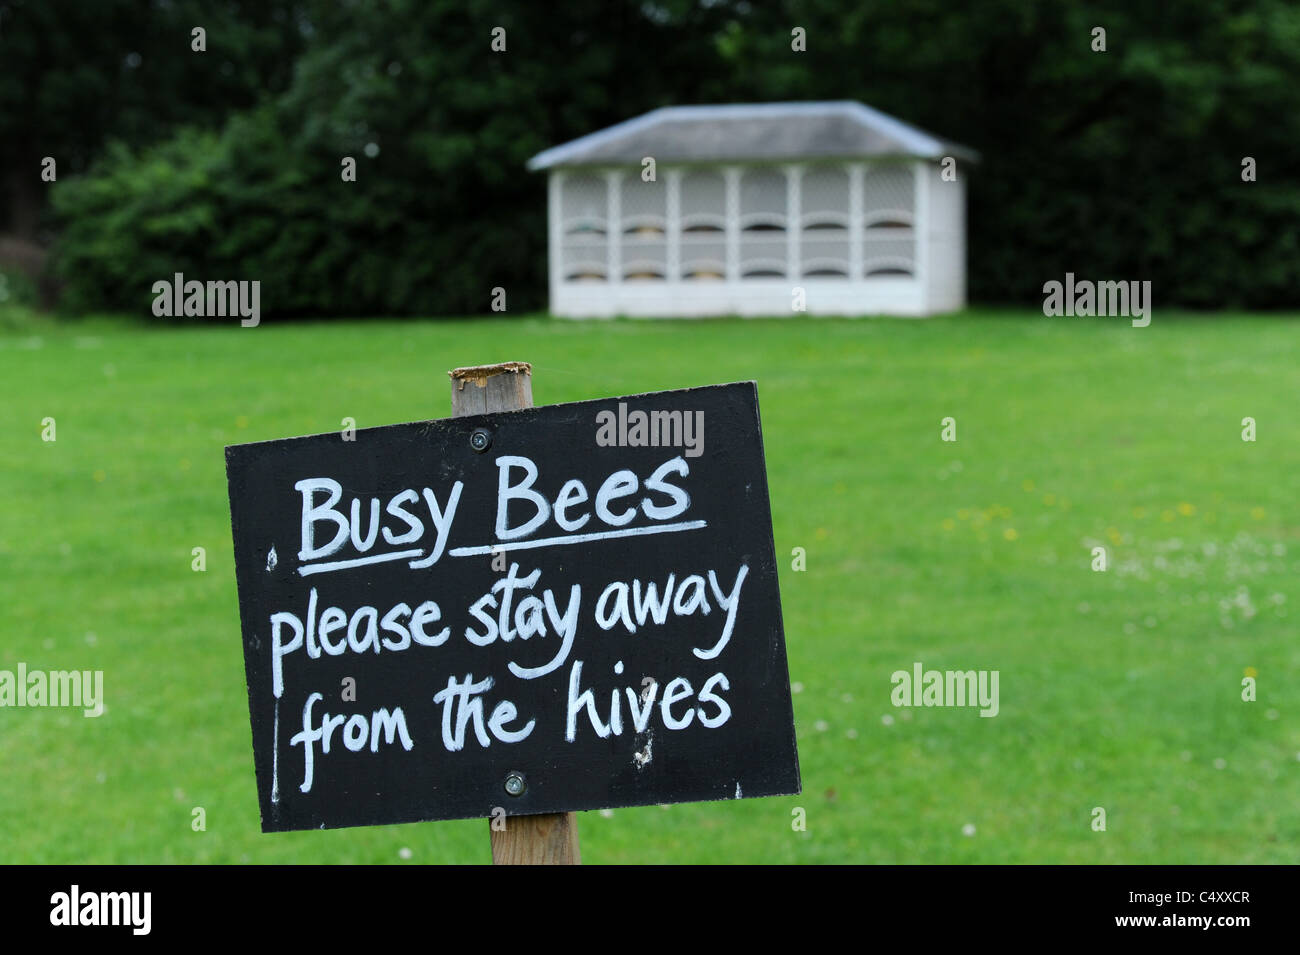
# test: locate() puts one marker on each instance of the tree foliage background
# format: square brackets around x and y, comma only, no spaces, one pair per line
[226,163]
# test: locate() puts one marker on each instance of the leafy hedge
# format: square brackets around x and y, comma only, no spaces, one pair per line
[1117,165]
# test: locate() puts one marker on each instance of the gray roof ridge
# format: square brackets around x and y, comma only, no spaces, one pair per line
[557,154]
[917,141]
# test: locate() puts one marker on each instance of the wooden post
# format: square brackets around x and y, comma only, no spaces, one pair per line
[549,838]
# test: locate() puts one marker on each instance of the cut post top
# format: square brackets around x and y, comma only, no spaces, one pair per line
[506,386]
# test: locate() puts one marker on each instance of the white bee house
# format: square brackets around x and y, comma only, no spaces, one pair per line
[766,209]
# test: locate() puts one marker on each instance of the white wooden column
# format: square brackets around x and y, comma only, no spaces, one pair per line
[614,224]
[857,256]
[732,179]
[555,217]
[673,248]
[921,232]
[793,220]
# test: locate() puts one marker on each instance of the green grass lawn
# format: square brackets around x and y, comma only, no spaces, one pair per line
[1119,690]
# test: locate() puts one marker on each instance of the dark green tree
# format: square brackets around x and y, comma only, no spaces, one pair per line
[440,126]
[1118,164]
[74,74]
[1122,164]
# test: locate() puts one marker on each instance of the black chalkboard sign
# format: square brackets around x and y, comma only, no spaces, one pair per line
[561,608]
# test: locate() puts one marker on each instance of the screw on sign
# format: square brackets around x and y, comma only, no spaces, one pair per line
[515,784]
[576,604]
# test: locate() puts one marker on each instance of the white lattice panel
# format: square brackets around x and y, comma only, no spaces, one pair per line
[762,254]
[704,255]
[645,255]
[824,253]
[885,254]
[584,258]
[704,200]
[889,194]
[644,205]
[858,230]
[762,198]
[825,196]
[584,219]
[584,204]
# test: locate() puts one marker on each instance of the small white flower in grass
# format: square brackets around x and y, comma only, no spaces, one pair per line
[1220,763]
[847,698]
[968,829]
[851,733]
[887,720]
[91,638]
[1084,607]
[404,853]
[821,726]
[101,777]
[1186,755]
[796,687]
[607,813]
